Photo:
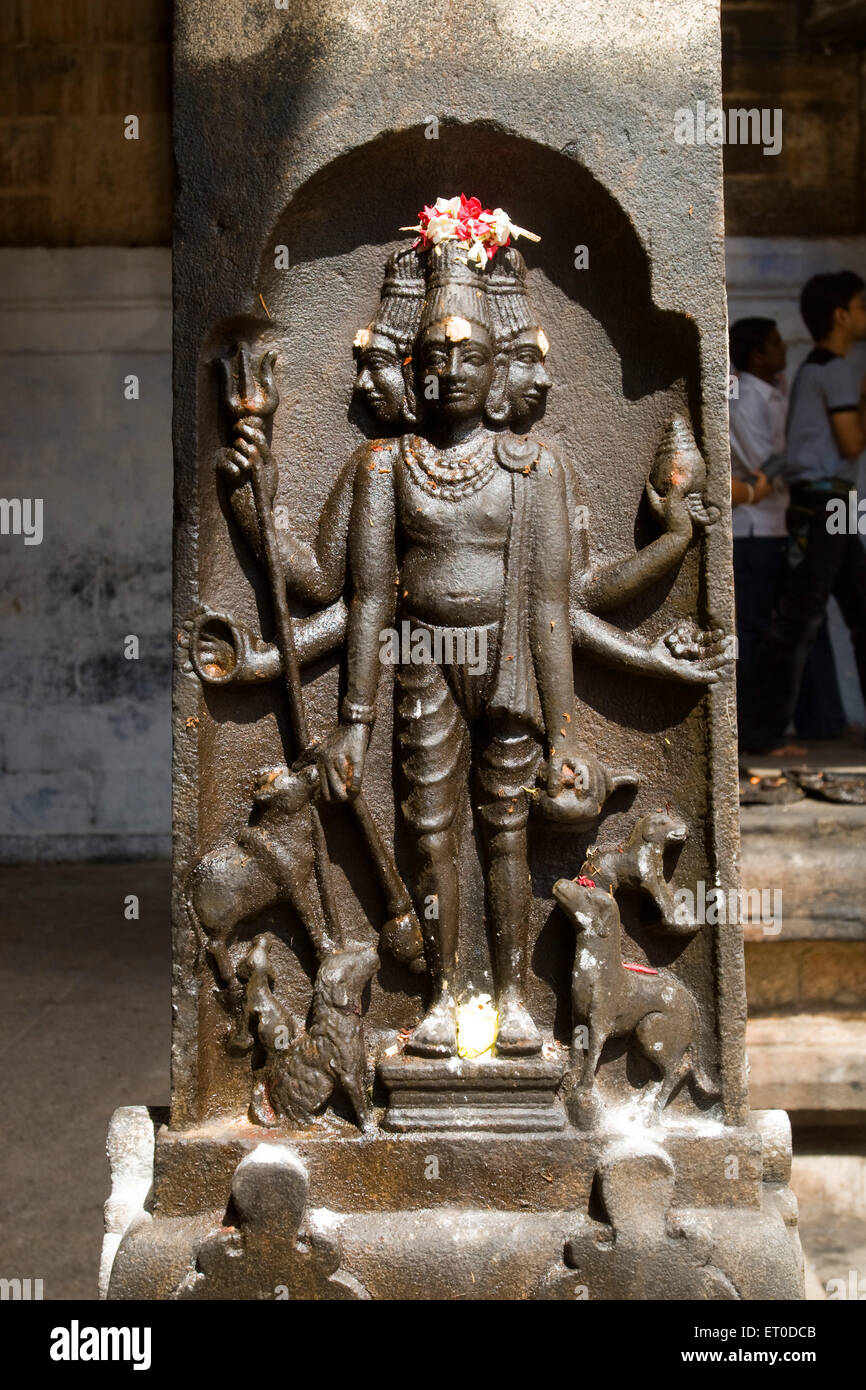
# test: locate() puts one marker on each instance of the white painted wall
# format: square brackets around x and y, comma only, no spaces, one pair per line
[84,733]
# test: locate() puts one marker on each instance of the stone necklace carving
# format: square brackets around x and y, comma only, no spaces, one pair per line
[449,473]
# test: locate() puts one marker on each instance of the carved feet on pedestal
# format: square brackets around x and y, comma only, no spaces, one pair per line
[436,1035]
[517,1035]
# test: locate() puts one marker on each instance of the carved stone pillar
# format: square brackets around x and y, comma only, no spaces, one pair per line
[455,755]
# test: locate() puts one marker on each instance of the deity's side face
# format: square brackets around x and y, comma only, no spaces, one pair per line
[528,381]
[463,369]
[380,380]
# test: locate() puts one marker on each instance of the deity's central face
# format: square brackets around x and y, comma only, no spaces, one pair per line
[463,369]
[380,377]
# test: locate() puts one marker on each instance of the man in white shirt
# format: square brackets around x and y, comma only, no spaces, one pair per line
[757,422]
[826,435]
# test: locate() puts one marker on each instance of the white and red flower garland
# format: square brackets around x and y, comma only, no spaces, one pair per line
[463,219]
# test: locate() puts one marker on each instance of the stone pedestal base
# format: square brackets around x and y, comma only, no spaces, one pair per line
[508,1095]
[691,1211]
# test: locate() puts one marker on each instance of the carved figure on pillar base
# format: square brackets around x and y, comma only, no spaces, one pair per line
[458,536]
[273,1248]
[646,1249]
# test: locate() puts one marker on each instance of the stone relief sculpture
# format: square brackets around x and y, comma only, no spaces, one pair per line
[425,674]
[458,535]
[300,1260]
[613,998]
[639,864]
[643,1243]
[303,1066]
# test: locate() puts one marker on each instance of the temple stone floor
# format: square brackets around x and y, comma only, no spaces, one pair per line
[86,1027]
[86,1022]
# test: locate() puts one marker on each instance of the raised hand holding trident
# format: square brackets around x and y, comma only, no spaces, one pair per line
[250,398]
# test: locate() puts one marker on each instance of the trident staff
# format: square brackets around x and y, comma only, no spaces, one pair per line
[252,398]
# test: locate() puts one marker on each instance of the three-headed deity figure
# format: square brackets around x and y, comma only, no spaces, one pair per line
[450,535]
[462,531]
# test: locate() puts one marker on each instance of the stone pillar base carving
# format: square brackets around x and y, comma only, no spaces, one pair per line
[461,1215]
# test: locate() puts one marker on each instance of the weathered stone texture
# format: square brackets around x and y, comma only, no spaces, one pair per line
[85,737]
[330,108]
[69,74]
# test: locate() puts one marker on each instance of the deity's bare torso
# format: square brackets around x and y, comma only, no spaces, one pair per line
[452,548]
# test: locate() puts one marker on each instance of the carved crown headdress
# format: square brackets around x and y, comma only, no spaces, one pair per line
[456,291]
[472,272]
[400,302]
[509,300]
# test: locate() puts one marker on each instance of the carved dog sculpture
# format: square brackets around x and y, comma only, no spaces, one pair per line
[640,864]
[611,1001]
[272,862]
[304,1066]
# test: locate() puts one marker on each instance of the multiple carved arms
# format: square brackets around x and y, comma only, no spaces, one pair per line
[223,649]
[550,631]
[315,571]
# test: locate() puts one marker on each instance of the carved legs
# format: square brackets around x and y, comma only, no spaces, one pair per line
[586,1063]
[356,1094]
[438,889]
[433,746]
[508,763]
[510,901]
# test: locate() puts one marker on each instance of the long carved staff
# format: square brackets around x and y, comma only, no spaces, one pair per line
[255,400]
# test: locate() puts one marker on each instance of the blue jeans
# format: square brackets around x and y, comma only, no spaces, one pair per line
[759,567]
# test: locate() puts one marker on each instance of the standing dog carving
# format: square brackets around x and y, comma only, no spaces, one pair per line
[640,864]
[272,862]
[610,1000]
[304,1066]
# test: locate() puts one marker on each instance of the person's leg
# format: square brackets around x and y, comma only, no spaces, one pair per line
[431,745]
[812,562]
[757,565]
[508,763]
[850,593]
[820,712]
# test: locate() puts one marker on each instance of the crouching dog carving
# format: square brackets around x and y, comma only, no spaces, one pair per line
[451,528]
[304,1065]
